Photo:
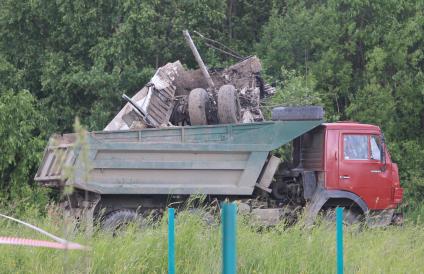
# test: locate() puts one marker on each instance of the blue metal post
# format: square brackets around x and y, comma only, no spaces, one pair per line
[229,238]
[171,241]
[339,236]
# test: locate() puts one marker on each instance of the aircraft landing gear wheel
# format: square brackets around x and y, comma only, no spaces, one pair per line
[228,105]
[198,106]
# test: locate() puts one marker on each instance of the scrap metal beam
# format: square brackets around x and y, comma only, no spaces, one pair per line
[199,60]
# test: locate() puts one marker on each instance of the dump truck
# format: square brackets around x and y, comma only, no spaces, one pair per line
[131,174]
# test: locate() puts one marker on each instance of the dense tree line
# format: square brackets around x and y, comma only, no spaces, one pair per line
[363,60]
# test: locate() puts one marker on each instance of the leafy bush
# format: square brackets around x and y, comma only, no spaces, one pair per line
[292,89]
[22,142]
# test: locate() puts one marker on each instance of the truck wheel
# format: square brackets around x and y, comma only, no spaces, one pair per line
[279,190]
[228,105]
[119,219]
[198,106]
[297,113]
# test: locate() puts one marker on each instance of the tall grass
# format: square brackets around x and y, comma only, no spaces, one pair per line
[277,250]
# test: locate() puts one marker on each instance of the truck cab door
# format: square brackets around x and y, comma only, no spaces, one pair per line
[361,170]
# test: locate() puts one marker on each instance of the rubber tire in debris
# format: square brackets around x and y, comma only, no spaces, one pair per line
[297,113]
[228,105]
[198,106]
[119,219]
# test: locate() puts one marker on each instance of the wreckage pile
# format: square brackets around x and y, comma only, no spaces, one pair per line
[177,97]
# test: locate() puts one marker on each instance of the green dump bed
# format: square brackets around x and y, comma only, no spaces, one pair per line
[218,159]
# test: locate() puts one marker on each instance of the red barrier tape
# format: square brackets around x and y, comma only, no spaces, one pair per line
[39,243]
[59,244]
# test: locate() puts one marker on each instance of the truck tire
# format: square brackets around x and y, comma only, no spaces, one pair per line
[228,105]
[198,106]
[297,113]
[119,219]
[279,190]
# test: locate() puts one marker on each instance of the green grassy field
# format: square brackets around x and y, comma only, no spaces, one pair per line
[277,250]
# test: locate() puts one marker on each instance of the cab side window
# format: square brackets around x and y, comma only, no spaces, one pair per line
[375,147]
[355,147]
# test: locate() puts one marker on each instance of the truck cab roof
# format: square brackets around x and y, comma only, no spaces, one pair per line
[351,125]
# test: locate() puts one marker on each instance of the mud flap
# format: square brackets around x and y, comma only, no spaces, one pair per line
[314,206]
[397,218]
[380,218]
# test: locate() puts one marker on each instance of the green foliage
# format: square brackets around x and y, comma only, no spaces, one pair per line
[295,90]
[9,75]
[411,154]
[20,128]
[373,104]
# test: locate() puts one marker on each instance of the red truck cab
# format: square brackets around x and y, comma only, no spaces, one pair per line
[347,164]
[357,160]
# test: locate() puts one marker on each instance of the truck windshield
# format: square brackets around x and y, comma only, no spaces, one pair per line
[355,147]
